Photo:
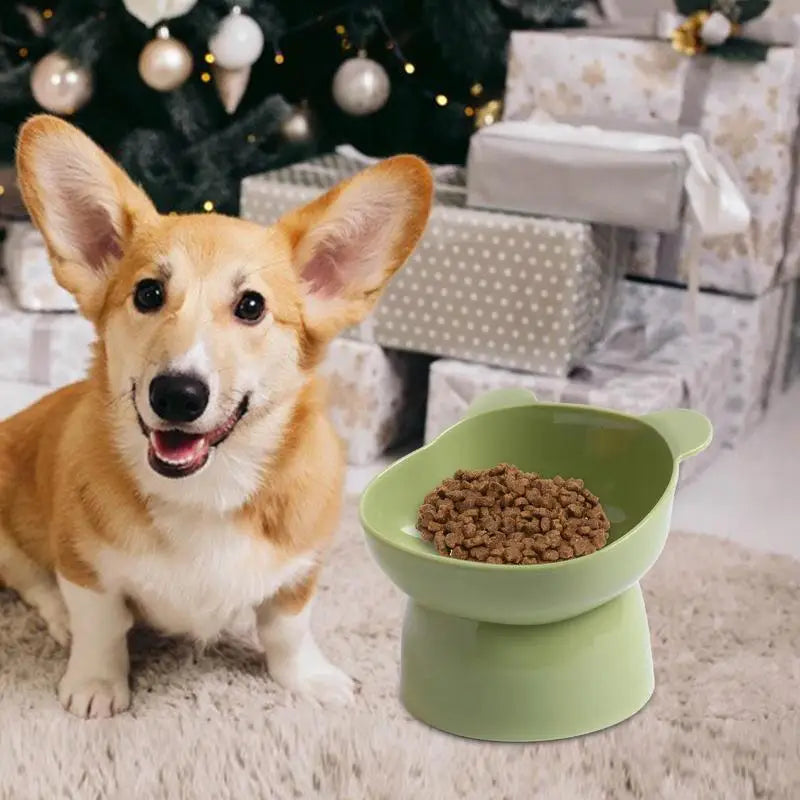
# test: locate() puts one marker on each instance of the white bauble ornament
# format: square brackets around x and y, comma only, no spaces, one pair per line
[237,42]
[165,63]
[716,30]
[59,85]
[231,85]
[149,12]
[361,86]
[298,126]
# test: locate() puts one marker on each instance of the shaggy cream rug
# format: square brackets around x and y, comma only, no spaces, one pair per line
[724,721]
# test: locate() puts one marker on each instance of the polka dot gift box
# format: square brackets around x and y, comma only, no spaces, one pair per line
[516,291]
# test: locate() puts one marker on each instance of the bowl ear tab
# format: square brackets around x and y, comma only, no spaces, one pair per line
[499,399]
[687,432]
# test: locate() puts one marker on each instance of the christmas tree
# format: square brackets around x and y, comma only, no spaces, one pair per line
[192,95]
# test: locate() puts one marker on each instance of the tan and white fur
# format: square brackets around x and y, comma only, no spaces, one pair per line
[121,499]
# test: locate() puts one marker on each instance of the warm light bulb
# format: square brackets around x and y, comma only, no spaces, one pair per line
[205,77]
[279,58]
[2,190]
[340,29]
[251,137]
[209,57]
[441,99]
[469,111]
[23,52]
[208,206]
[410,68]
[47,13]
[476,89]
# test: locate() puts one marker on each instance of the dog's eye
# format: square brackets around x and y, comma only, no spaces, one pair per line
[250,308]
[149,295]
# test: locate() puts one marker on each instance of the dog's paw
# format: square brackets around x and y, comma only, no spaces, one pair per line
[311,675]
[94,698]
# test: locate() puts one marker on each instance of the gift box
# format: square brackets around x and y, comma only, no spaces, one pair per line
[28,271]
[601,171]
[517,291]
[376,398]
[680,374]
[650,315]
[747,111]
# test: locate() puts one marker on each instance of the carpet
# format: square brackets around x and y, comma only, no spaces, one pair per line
[723,722]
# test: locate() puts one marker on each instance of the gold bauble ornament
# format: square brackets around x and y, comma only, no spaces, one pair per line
[165,63]
[488,114]
[60,85]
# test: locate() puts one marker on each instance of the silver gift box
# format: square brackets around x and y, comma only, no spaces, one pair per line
[678,374]
[606,172]
[516,291]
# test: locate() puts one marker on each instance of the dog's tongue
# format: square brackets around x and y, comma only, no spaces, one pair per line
[178,448]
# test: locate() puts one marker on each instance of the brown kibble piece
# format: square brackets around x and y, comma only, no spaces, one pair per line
[505,516]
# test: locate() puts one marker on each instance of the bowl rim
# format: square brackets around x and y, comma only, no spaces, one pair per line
[482,565]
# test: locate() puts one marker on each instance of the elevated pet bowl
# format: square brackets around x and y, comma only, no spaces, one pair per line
[546,651]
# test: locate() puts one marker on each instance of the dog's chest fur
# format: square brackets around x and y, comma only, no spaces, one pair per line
[204,576]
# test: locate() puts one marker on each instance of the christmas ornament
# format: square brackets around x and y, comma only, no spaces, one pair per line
[149,12]
[488,114]
[298,126]
[60,85]
[237,42]
[231,85]
[165,63]
[361,86]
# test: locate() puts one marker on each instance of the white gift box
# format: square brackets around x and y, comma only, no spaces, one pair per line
[681,374]
[28,271]
[759,329]
[376,397]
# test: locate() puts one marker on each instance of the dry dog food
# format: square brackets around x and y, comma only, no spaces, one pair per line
[505,516]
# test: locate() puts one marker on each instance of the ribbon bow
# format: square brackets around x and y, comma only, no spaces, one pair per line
[732,29]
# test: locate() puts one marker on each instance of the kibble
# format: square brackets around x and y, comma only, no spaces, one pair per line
[505,516]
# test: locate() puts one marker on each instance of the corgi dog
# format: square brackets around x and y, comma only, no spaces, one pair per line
[193,477]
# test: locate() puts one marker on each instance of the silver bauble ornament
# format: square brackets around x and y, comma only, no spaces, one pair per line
[298,126]
[361,86]
[165,63]
[59,85]
[237,42]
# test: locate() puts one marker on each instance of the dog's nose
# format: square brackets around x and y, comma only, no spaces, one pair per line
[178,398]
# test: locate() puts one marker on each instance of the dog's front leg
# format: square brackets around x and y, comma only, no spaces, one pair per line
[96,681]
[293,658]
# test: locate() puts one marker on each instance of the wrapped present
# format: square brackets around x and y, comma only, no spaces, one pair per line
[746,110]
[680,374]
[517,291]
[28,271]
[649,315]
[376,398]
[602,171]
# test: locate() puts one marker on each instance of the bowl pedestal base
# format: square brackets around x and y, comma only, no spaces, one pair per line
[527,683]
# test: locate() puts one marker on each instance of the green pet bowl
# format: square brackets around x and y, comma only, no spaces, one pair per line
[547,651]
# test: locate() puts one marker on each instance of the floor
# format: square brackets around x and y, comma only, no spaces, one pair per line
[747,495]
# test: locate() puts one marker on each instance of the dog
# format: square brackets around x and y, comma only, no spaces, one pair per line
[194,475]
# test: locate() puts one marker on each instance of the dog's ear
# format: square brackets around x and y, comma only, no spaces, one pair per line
[85,206]
[347,244]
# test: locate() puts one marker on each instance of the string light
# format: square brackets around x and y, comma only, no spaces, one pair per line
[469,111]
[476,89]
[205,77]
[251,138]
[441,99]
[23,52]
[208,206]
[47,13]
[2,190]
[409,68]
[209,58]
[279,59]
[341,30]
